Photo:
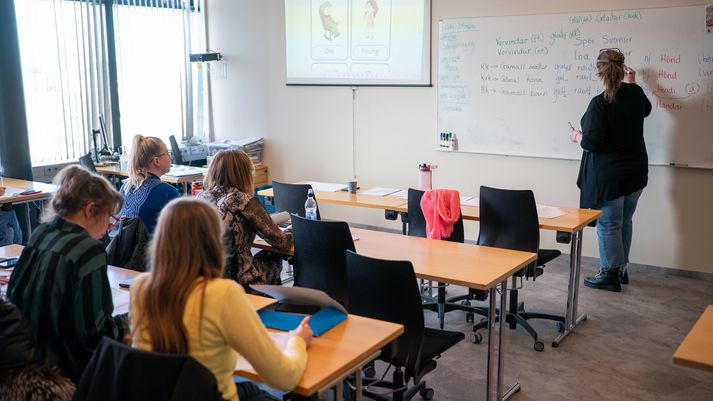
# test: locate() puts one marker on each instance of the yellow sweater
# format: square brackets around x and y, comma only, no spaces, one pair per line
[230,327]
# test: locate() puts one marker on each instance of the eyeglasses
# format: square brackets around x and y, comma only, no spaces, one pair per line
[616,49]
[168,153]
[112,221]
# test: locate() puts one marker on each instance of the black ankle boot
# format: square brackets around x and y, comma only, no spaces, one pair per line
[624,276]
[605,280]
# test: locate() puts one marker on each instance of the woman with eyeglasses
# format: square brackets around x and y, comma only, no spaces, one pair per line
[614,167]
[144,192]
[60,282]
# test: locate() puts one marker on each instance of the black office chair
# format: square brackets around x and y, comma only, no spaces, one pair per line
[319,259]
[387,290]
[416,227]
[291,198]
[177,156]
[87,163]
[508,219]
[119,372]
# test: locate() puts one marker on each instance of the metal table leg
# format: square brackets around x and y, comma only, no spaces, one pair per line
[575,267]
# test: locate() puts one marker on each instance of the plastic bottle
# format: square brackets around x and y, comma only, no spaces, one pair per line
[310,206]
[124,160]
[424,176]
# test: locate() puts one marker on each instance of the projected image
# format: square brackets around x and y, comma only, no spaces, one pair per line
[371,30]
[329,20]
[358,42]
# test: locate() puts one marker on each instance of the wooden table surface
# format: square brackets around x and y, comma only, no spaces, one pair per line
[572,221]
[696,350]
[472,266]
[46,190]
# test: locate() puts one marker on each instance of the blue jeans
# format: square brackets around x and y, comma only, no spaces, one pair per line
[614,230]
[10,232]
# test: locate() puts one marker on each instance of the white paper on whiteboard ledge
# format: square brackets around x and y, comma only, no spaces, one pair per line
[380,191]
[326,186]
[549,212]
[280,338]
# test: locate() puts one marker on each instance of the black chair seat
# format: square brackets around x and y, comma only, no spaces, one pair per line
[544,256]
[435,342]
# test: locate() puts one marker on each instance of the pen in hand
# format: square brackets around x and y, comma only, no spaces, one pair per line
[571,128]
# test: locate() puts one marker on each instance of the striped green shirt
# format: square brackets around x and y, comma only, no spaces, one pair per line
[60,283]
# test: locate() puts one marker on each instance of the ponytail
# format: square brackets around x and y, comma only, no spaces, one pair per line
[610,69]
[143,150]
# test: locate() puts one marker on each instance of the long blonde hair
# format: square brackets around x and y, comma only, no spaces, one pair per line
[610,69]
[230,169]
[186,247]
[143,151]
[75,188]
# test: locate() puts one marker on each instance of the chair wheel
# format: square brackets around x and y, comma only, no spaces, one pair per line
[469,317]
[560,327]
[369,371]
[426,393]
[539,346]
[476,338]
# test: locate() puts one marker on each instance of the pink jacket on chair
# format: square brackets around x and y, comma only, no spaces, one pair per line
[441,209]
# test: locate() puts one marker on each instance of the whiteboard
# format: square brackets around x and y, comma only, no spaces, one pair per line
[510,85]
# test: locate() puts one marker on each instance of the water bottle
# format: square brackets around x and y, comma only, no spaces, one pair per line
[310,206]
[124,160]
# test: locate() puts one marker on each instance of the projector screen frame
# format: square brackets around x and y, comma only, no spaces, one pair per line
[427,60]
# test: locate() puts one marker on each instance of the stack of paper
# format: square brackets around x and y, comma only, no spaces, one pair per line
[280,339]
[470,201]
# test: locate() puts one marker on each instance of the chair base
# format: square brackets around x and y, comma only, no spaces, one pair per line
[401,392]
[442,306]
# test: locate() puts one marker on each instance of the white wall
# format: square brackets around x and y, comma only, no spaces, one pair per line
[308,133]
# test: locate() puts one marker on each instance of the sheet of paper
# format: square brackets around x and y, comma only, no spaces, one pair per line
[403,194]
[182,171]
[12,192]
[298,296]
[465,198]
[280,217]
[549,212]
[472,201]
[380,191]
[280,338]
[326,186]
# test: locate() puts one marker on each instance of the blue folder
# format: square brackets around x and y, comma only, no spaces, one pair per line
[320,322]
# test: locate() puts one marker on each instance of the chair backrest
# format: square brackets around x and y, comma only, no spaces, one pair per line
[508,219]
[177,156]
[118,372]
[291,198]
[87,163]
[417,223]
[320,260]
[388,290]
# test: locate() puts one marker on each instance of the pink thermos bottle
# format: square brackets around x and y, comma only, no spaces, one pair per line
[425,176]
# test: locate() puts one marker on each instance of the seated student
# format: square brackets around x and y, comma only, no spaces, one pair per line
[229,185]
[144,192]
[60,282]
[10,232]
[208,318]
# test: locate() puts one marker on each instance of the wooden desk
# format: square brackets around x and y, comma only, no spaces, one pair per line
[696,350]
[14,186]
[259,177]
[571,224]
[468,265]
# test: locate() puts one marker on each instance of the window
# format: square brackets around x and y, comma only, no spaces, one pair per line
[65,53]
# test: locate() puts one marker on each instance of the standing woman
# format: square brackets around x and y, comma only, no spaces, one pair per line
[208,318]
[144,193]
[229,186]
[60,282]
[614,167]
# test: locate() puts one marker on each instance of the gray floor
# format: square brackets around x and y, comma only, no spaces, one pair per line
[623,351]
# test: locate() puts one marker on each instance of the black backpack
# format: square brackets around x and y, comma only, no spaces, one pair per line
[127,246]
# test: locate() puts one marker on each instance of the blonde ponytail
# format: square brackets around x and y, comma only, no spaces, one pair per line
[610,69]
[143,150]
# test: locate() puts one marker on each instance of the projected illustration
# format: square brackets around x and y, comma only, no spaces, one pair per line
[370,42]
